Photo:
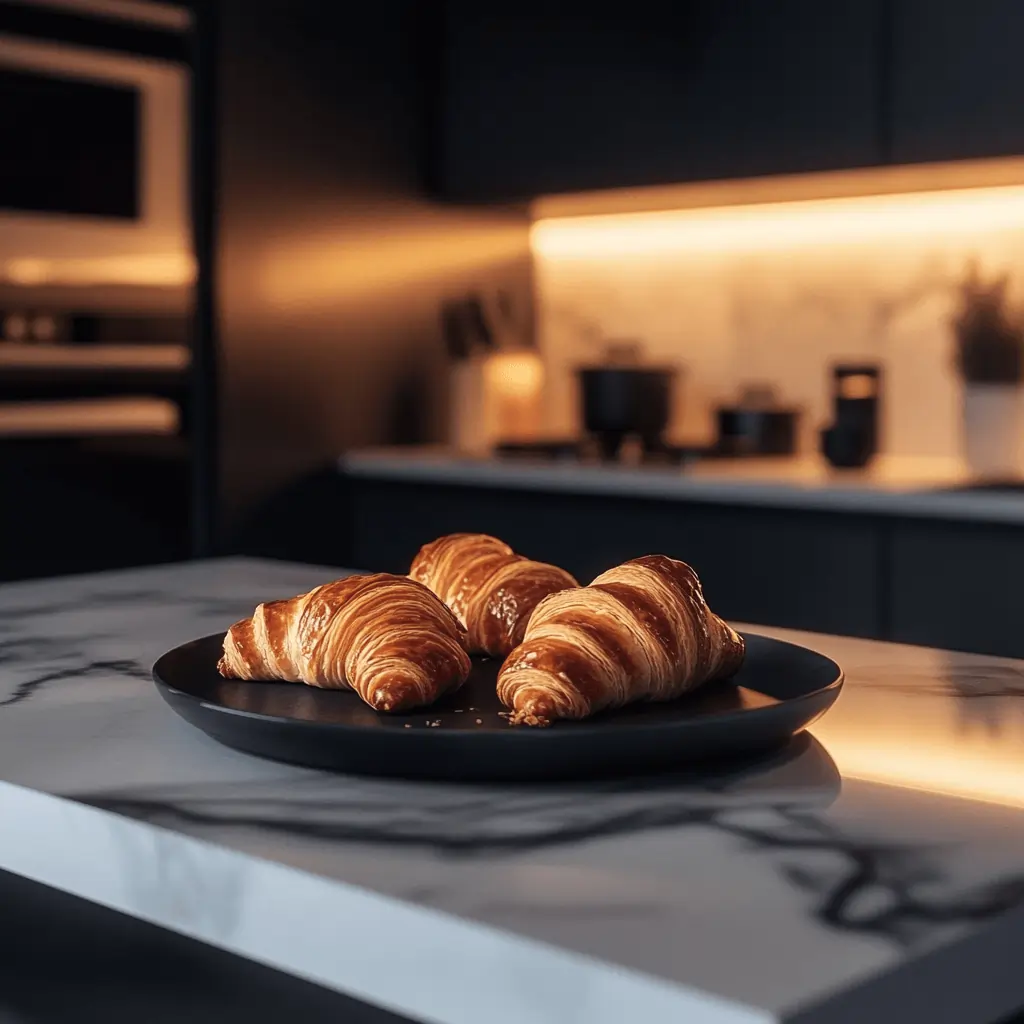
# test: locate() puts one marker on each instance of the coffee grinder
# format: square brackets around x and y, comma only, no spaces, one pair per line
[852,439]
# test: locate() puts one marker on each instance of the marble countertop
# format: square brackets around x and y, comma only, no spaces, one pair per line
[875,870]
[905,486]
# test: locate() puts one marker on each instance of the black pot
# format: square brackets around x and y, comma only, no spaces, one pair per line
[619,401]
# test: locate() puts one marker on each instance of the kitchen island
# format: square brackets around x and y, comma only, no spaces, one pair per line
[871,871]
[908,550]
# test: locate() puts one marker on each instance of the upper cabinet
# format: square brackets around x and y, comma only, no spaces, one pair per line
[540,98]
[957,80]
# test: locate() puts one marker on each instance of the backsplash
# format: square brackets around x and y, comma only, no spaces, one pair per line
[770,310]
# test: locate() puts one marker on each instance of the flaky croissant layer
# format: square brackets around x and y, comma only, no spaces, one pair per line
[491,590]
[640,631]
[386,637]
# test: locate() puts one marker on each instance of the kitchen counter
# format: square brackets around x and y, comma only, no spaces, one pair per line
[918,487]
[872,871]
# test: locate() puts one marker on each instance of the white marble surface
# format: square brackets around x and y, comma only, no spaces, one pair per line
[908,486]
[874,871]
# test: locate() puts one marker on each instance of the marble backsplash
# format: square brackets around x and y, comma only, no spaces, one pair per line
[777,315]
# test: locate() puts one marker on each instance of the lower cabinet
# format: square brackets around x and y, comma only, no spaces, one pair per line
[787,568]
[958,586]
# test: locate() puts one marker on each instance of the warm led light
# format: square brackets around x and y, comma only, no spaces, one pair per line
[777,226]
[26,271]
[514,384]
[156,269]
[399,254]
[935,743]
[858,385]
[517,374]
[933,771]
[89,416]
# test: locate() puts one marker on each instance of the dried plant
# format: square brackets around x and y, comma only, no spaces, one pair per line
[989,335]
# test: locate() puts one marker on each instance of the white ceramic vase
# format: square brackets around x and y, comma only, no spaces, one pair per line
[993,429]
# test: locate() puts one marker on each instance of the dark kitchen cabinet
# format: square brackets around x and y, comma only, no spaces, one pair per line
[957,79]
[541,98]
[780,568]
[956,586]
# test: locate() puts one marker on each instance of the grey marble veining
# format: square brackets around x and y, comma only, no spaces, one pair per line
[881,859]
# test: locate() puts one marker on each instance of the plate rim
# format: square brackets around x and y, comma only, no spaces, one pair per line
[581,728]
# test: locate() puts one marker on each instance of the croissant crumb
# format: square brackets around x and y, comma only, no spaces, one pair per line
[529,718]
[533,708]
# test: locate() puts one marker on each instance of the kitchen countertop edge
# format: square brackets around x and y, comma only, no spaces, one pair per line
[857,497]
[296,921]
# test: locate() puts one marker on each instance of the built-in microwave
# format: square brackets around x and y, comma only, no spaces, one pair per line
[94,175]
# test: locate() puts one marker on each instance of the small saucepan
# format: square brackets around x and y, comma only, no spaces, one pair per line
[752,431]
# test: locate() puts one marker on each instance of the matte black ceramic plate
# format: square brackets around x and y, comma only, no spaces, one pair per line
[780,690]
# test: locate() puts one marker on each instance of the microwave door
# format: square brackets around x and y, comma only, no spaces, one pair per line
[71,145]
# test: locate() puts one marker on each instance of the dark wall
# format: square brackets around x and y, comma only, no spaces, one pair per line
[330,263]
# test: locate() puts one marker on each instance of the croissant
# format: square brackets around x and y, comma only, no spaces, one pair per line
[640,631]
[491,590]
[386,637]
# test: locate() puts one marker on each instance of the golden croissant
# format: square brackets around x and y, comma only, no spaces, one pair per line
[640,631]
[386,637]
[492,590]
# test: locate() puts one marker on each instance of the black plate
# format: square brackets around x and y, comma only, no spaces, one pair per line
[780,690]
